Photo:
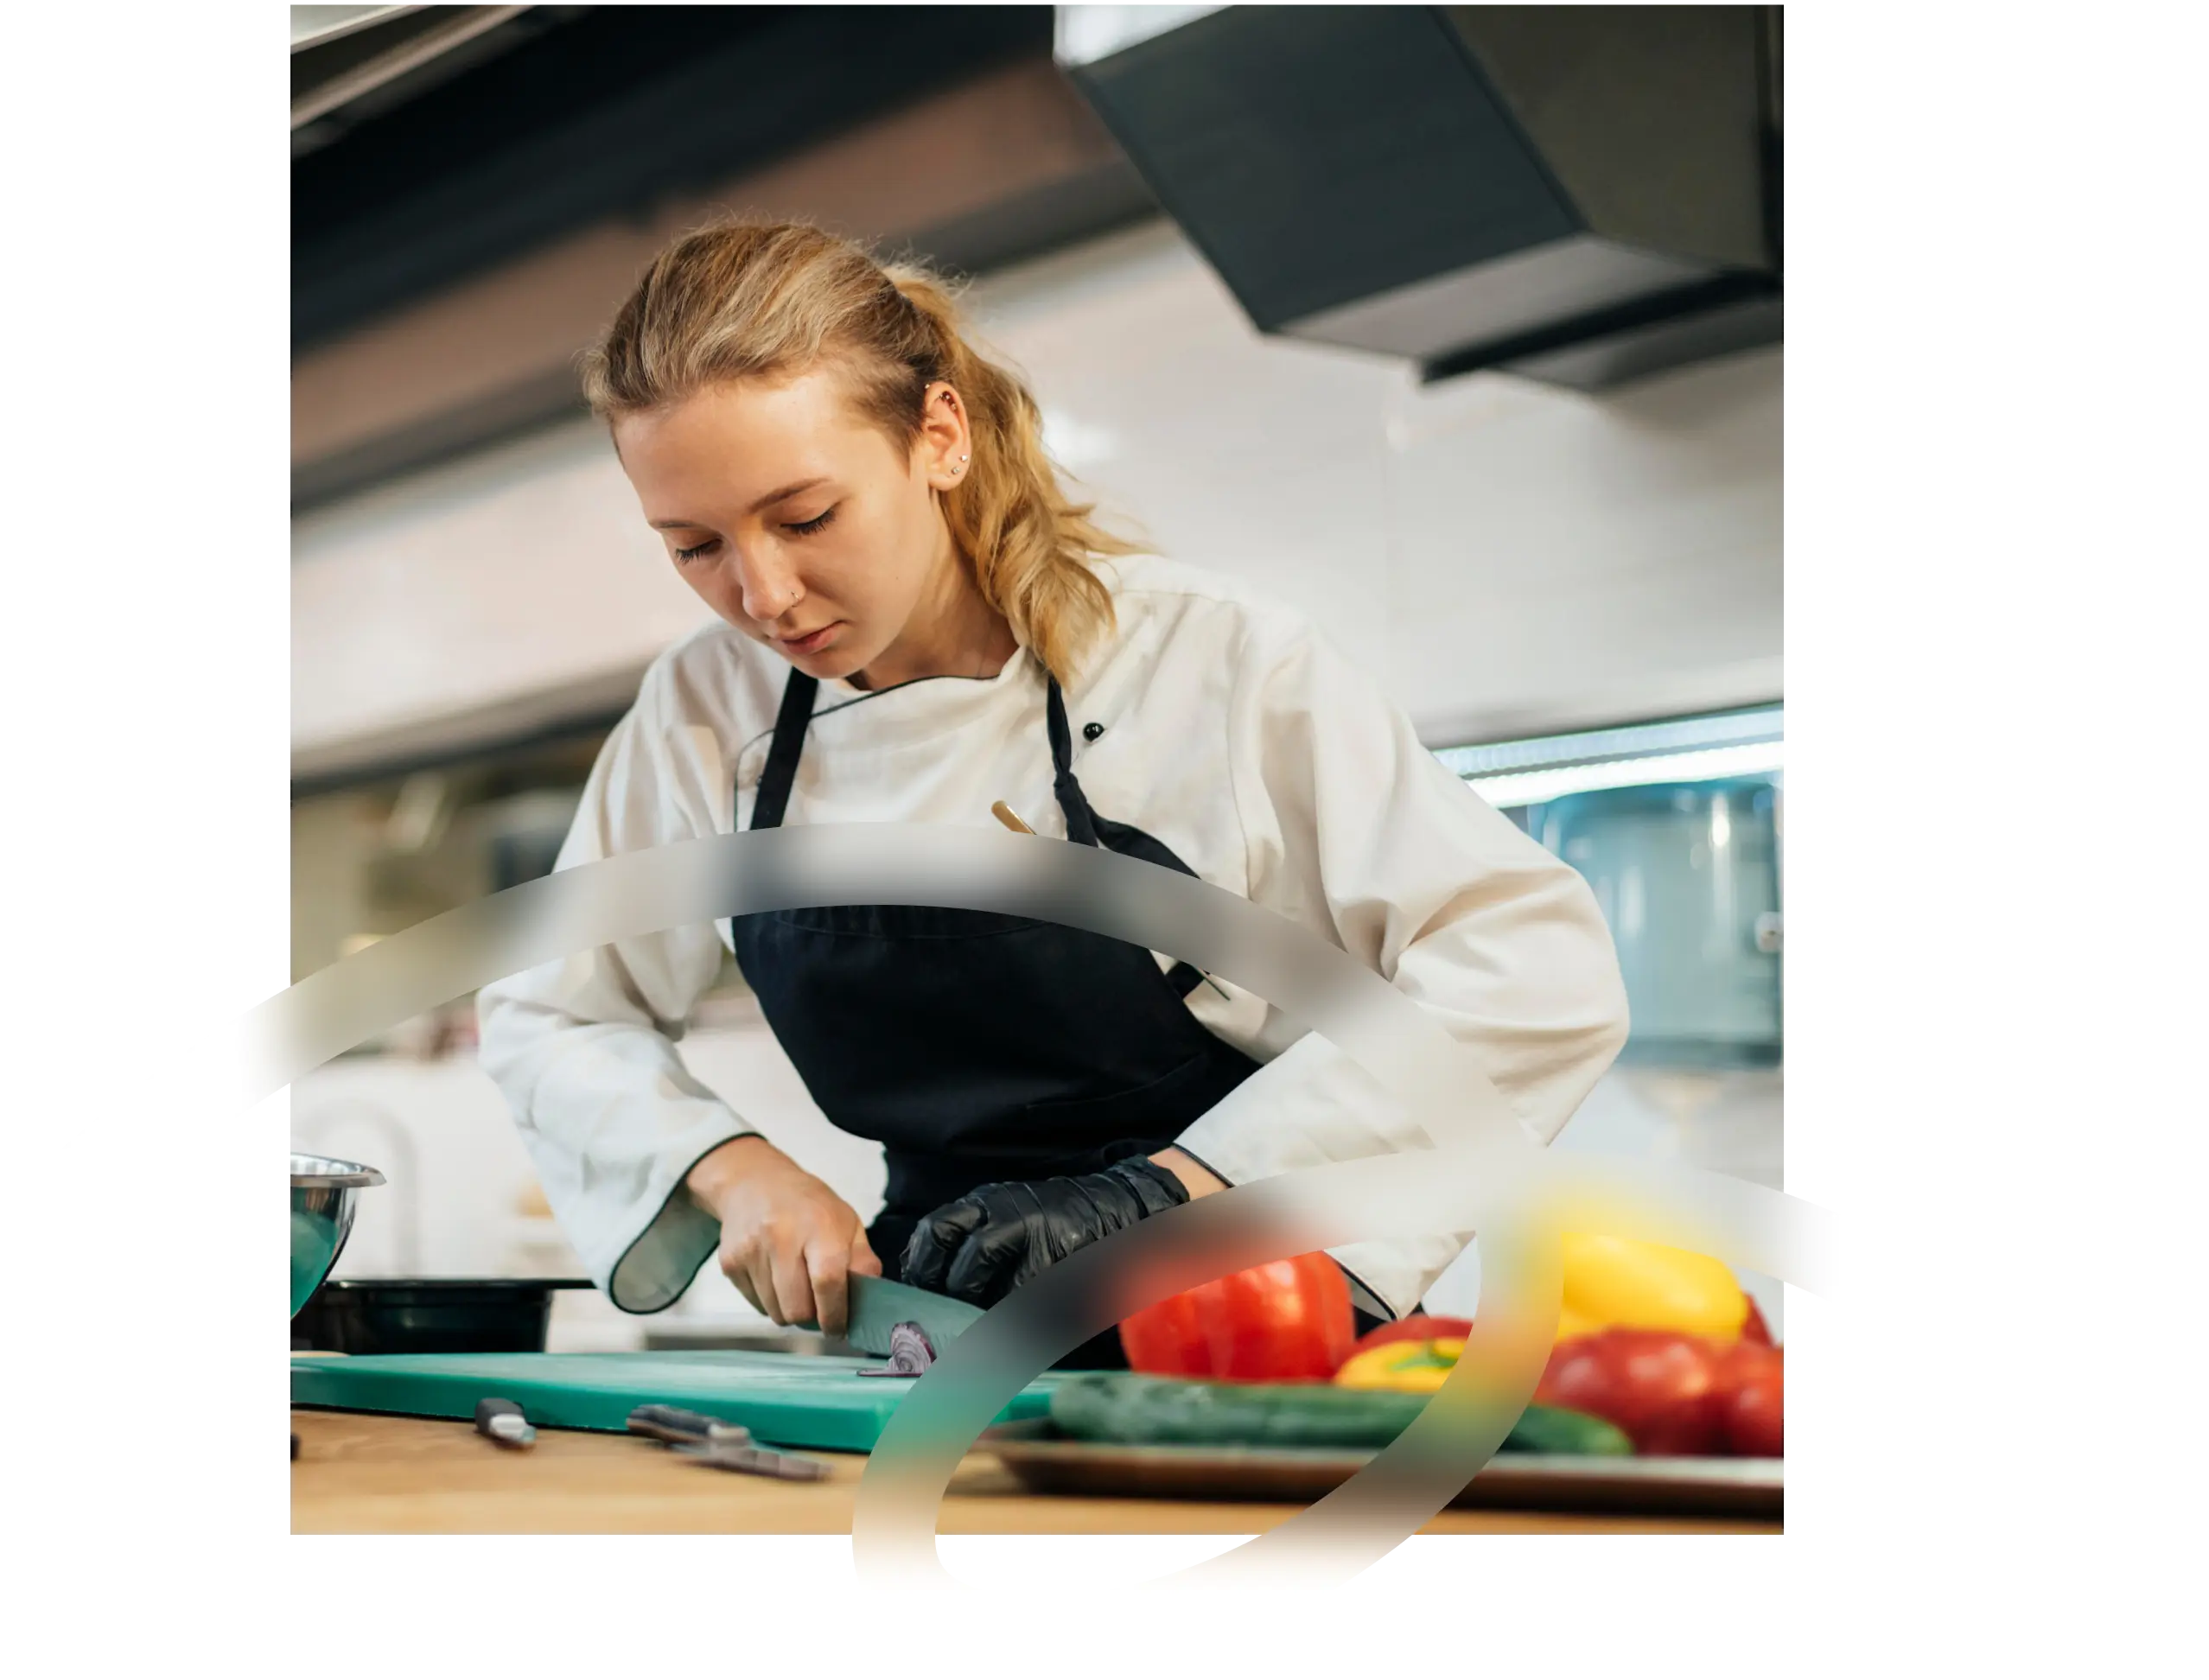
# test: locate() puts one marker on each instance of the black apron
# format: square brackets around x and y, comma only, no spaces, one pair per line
[976,1047]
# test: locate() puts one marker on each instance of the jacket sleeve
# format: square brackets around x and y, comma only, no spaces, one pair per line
[1356,831]
[583,1048]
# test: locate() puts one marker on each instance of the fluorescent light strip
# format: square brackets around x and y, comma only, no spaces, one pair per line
[1684,735]
[1760,758]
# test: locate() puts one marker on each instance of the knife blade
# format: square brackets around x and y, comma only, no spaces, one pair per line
[679,1423]
[751,1460]
[878,1307]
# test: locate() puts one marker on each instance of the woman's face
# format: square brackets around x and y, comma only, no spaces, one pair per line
[796,518]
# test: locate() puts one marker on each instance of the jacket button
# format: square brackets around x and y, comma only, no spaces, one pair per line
[1090,731]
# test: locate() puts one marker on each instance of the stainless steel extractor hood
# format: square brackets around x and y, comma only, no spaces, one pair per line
[349,62]
[1579,194]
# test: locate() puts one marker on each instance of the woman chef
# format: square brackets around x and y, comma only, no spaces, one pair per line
[916,624]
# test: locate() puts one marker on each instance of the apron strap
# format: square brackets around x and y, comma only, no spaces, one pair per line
[1081,822]
[796,716]
[781,771]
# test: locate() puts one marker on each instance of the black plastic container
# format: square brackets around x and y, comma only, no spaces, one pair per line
[429,1315]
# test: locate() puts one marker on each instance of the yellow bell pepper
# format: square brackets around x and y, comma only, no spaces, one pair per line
[1413,1367]
[1611,1281]
[1571,1323]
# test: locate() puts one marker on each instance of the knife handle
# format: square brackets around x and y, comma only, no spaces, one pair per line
[503,1421]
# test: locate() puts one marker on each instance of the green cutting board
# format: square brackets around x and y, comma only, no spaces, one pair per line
[785,1399]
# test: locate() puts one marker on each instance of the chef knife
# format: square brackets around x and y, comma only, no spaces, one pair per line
[878,1307]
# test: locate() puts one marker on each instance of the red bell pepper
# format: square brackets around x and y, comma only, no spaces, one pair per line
[1286,1321]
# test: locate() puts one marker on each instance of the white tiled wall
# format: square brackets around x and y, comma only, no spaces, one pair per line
[475,585]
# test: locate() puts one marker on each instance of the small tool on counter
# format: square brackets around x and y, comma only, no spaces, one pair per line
[678,1426]
[501,1421]
[752,1460]
[911,1352]
[1005,814]
[720,1445]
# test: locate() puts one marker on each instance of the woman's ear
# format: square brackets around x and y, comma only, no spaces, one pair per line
[946,442]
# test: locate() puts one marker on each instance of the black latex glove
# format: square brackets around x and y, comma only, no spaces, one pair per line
[979,1247]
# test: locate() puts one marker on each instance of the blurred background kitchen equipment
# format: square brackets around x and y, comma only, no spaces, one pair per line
[429,1315]
[1688,877]
[323,1194]
[1584,195]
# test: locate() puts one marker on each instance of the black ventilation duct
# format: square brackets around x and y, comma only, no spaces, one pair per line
[1582,195]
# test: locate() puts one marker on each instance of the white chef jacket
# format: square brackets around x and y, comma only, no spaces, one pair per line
[1233,732]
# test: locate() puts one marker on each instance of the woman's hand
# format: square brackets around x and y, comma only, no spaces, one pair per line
[788,1242]
[990,1241]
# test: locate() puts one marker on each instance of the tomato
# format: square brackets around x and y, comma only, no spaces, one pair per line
[1754,1329]
[1420,1327]
[1752,1382]
[1660,1386]
[1288,1321]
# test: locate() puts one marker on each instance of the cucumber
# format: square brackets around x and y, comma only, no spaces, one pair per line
[1135,1410]
[1554,1430]
[1156,1411]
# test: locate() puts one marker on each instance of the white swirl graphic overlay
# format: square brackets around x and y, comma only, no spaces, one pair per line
[1480,1173]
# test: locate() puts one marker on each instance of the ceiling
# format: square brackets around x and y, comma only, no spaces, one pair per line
[549,118]
[351,64]
[472,210]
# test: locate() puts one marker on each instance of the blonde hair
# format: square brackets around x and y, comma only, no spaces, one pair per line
[740,300]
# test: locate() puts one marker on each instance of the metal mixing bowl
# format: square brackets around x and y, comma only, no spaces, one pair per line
[323,1192]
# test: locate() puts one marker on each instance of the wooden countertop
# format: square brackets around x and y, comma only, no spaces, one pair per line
[357,1473]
